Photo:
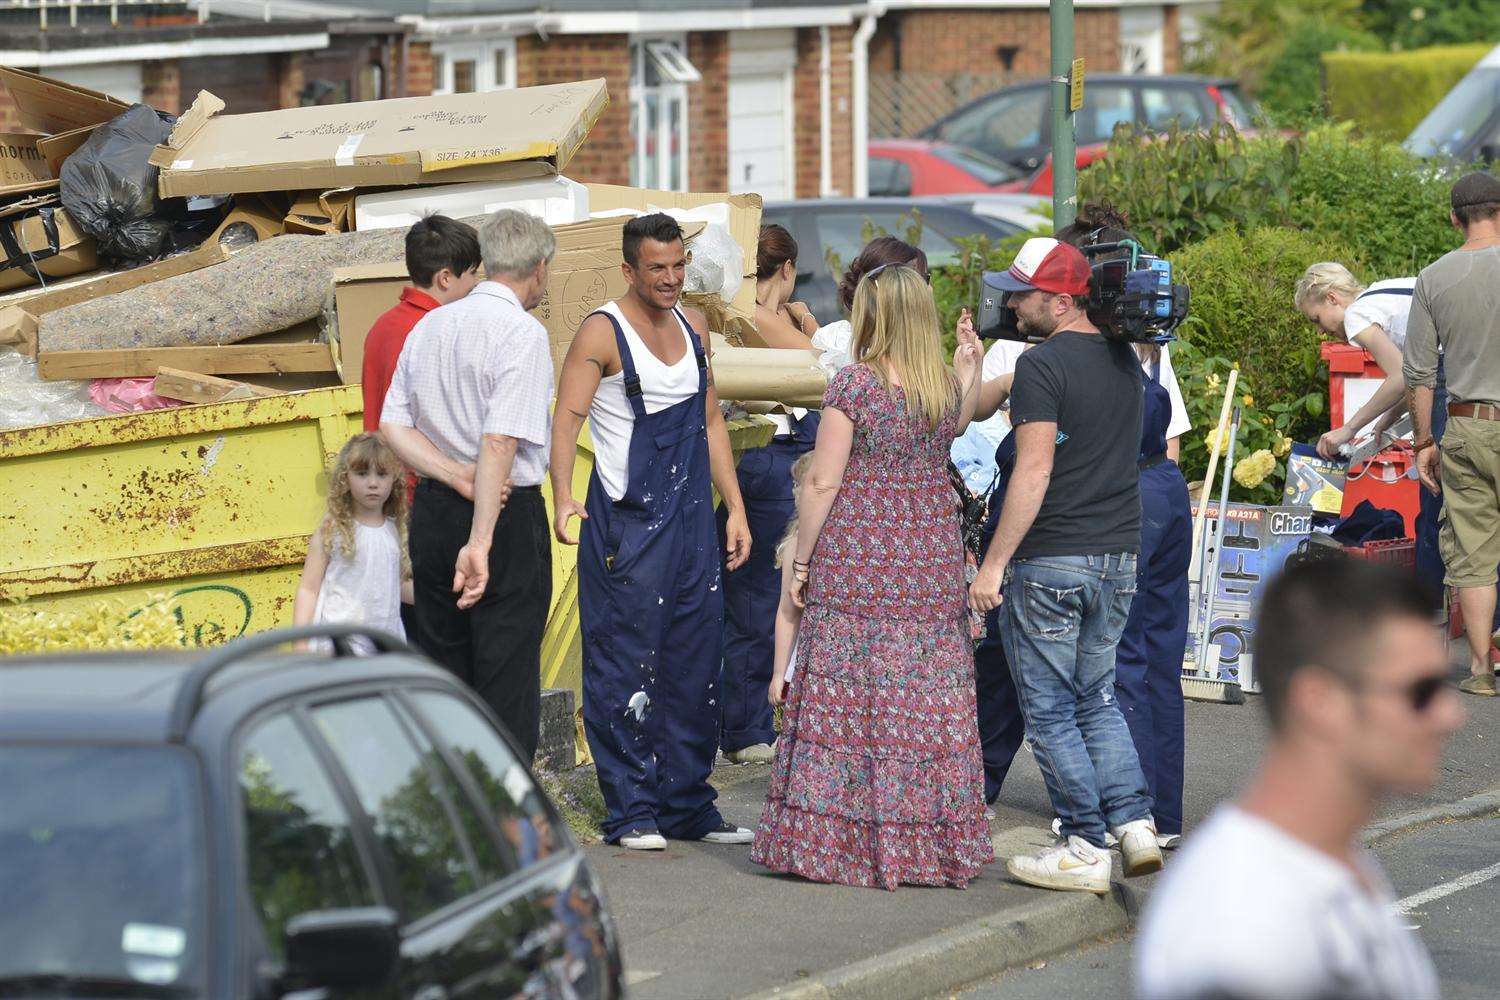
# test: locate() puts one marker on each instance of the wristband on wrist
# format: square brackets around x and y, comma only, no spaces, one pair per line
[1423,444]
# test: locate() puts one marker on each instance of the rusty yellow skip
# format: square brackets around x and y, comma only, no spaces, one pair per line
[208,508]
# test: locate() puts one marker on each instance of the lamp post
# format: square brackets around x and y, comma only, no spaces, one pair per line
[1064,144]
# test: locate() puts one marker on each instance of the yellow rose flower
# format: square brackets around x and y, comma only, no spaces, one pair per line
[1213,380]
[1252,470]
[1283,446]
[1247,399]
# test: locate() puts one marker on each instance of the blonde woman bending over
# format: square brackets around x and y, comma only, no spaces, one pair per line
[877,778]
[1371,317]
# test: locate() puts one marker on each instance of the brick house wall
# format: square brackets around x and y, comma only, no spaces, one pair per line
[708,112]
[419,70]
[964,41]
[807,131]
[161,85]
[245,83]
[1171,40]
[605,157]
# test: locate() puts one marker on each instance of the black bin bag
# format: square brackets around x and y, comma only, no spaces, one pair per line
[109,188]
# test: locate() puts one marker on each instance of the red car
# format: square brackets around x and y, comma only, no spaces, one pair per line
[920,167]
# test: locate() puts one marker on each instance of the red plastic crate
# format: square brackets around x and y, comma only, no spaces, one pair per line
[1383,480]
[1392,551]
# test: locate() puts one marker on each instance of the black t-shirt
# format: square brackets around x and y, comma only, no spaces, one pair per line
[1091,388]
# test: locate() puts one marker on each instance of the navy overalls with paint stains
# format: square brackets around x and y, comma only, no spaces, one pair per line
[652,610]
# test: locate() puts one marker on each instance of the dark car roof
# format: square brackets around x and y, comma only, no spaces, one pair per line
[129,696]
[1143,79]
[803,204]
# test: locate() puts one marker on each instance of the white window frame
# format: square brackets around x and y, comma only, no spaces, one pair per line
[482,53]
[1143,35]
[676,72]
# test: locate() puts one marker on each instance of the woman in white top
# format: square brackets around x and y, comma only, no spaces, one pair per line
[1371,317]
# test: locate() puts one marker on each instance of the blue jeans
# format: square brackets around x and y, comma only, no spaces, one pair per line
[1060,622]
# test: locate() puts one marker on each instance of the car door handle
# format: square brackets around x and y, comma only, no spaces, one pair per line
[430,992]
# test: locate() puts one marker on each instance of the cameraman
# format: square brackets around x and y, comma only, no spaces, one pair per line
[1065,550]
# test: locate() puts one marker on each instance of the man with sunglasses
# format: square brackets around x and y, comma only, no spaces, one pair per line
[1274,897]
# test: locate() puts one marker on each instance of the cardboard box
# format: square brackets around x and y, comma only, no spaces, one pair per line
[68,113]
[409,140]
[23,168]
[38,237]
[360,295]
[318,213]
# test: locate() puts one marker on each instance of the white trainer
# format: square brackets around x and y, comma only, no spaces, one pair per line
[1168,841]
[644,840]
[1138,847]
[1076,866]
[728,833]
[1109,838]
[760,753]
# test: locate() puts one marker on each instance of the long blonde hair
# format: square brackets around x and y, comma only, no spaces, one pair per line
[360,454]
[896,324]
[789,537]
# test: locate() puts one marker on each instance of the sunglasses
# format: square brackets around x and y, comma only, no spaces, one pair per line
[1420,693]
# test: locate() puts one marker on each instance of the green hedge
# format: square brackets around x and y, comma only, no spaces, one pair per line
[1388,93]
[1291,90]
[1242,307]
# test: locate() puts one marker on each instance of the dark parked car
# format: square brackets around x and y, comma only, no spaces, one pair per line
[1465,125]
[837,224]
[1014,123]
[256,822]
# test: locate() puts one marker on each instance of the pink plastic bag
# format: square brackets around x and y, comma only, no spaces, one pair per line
[127,395]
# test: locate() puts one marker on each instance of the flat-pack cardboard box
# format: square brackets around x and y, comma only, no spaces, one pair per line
[66,112]
[37,236]
[360,295]
[409,140]
[23,168]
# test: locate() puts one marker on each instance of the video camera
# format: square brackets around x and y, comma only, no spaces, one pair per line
[1131,296]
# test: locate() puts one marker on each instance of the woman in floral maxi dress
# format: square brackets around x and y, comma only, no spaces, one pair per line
[878,778]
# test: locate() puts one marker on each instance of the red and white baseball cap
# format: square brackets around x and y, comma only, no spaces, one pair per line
[1047,265]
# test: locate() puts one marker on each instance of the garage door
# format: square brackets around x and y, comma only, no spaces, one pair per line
[119,80]
[760,109]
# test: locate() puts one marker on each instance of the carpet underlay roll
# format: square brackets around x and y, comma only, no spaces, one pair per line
[265,288]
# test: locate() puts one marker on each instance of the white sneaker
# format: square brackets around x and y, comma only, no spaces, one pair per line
[644,840]
[1168,841]
[1138,847]
[1076,866]
[728,833]
[1109,838]
[760,753]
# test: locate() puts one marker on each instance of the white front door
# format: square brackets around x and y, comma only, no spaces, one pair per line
[761,153]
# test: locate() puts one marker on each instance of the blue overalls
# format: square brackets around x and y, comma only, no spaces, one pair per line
[752,592]
[652,616]
[1001,726]
[1148,661]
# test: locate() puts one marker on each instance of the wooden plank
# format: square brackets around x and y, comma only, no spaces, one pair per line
[144,362]
[191,387]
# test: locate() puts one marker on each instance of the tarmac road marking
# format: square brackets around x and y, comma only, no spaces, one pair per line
[1437,892]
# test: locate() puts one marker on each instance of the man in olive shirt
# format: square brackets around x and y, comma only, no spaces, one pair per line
[1456,309]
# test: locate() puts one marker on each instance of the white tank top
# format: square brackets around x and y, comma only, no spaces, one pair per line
[610,417]
[364,588]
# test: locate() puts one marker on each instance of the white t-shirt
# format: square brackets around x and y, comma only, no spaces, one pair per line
[1384,303]
[610,418]
[1249,910]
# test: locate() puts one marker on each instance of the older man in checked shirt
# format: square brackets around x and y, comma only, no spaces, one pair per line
[473,389]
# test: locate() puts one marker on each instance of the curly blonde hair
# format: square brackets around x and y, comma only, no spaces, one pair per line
[362,453]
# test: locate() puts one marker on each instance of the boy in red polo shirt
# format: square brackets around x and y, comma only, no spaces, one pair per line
[442,258]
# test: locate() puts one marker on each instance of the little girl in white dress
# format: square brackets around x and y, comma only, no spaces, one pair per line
[357,567]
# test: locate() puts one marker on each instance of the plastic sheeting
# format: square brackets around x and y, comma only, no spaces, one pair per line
[28,401]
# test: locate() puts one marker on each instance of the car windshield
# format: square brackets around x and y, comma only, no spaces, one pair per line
[985,168]
[100,850]
[1241,113]
[1449,126]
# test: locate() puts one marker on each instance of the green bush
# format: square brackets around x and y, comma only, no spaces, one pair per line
[1179,188]
[1292,87]
[1411,24]
[1388,93]
[1382,205]
[1242,313]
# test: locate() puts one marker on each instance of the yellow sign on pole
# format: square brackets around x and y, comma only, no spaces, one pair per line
[1075,96]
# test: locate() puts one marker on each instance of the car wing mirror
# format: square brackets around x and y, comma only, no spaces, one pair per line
[342,949]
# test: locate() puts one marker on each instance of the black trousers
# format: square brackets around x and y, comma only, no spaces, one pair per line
[496,646]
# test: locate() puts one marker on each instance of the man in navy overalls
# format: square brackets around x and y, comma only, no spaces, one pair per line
[651,598]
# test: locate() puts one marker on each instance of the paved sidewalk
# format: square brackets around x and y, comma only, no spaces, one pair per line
[699,921]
